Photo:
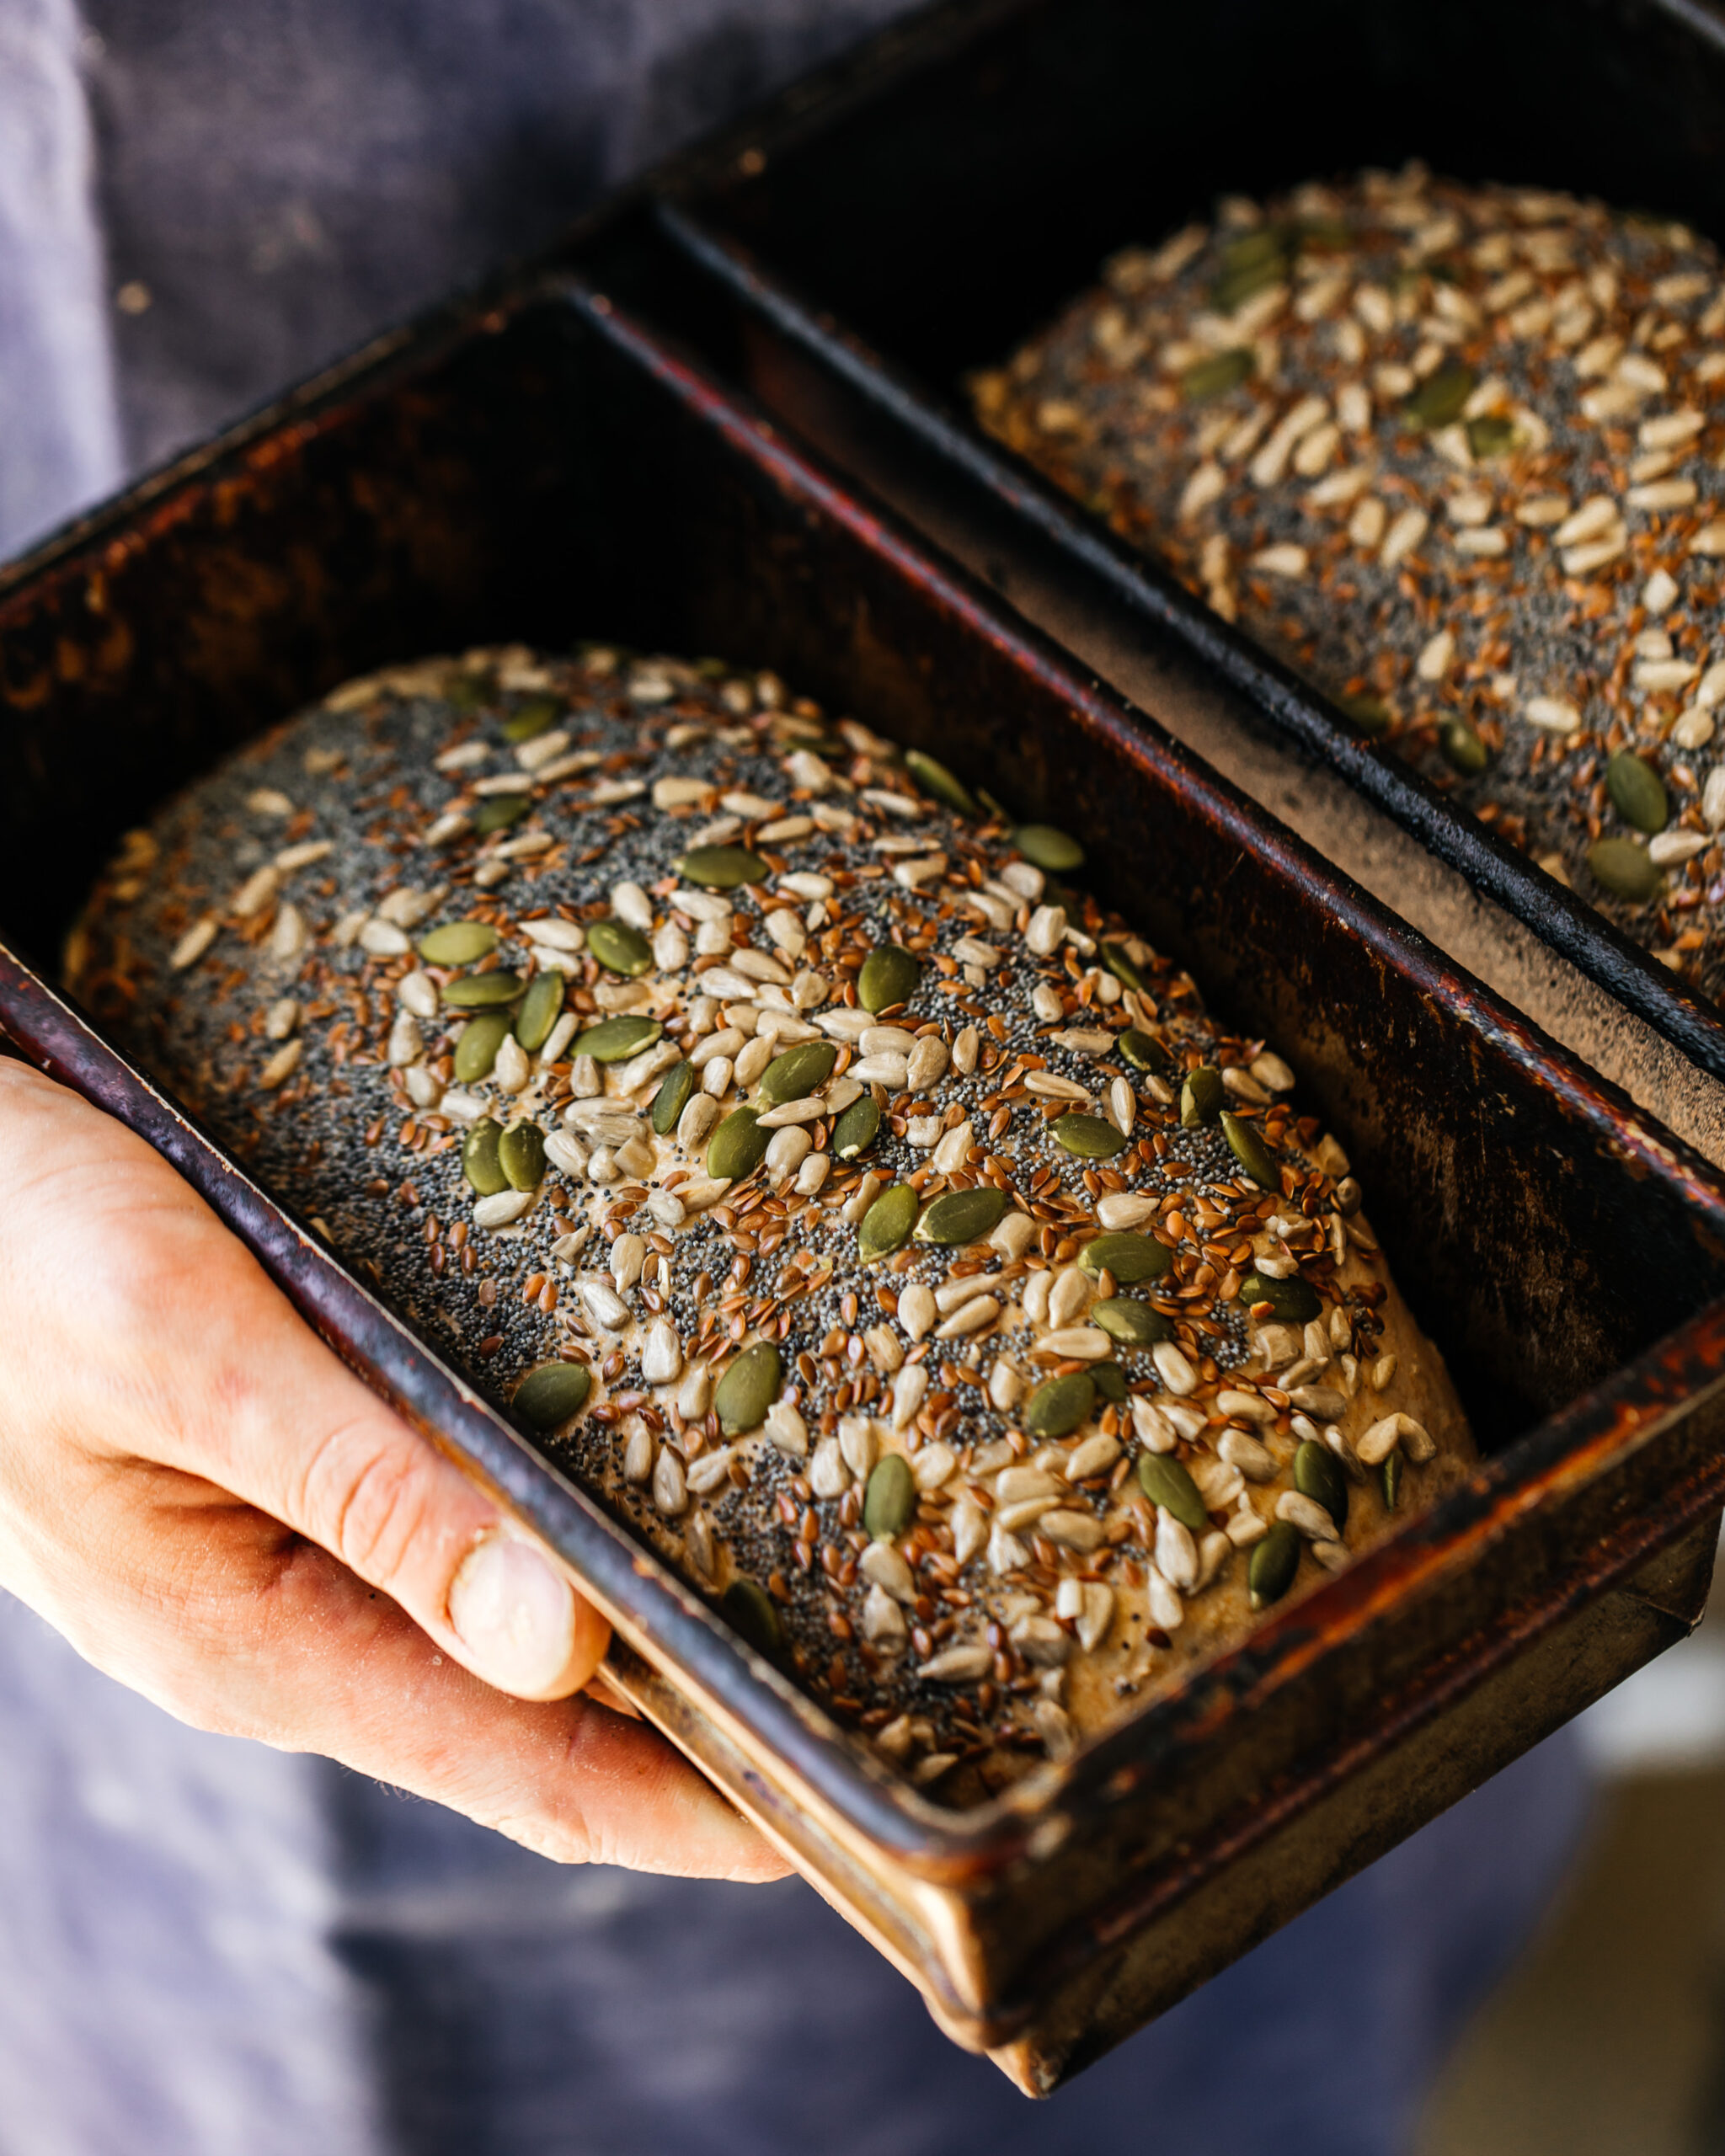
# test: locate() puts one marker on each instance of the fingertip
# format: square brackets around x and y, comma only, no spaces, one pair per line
[519,1622]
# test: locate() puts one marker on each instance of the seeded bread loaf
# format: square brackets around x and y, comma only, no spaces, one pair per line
[1453,452]
[892,1240]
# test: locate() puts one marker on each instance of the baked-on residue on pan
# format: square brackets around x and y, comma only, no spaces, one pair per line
[891,1238]
[1453,452]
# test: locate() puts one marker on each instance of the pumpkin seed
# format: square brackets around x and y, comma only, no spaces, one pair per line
[1200,1096]
[480,1164]
[548,1396]
[1624,869]
[1318,1474]
[499,812]
[619,948]
[722,867]
[934,777]
[889,975]
[612,1040]
[1114,957]
[750,1608]
[1250,1151]
[538,1012]
[1166,1483]
[1326,235]
[1136,1324]
[1639,793]
[1274,1563]
[748,1389]
[458,943]
[1369,714]
[890,1501]
[1440,397]
[1293,1300]
[856,1129]
[476,1051]
[961,1216]
[1461,748]
[798,1072]
[1231,293]
[1130,1258]
[1059,1405]
[521,1152]
[527,721]
[1391,1473]
[480,991]
[886,1225]
[738,1146]
[1490,435]
[1049,849]
[1251,250]
[1110,1381]
[1091,1137]
[672,1097]
[1252,264]
[1145,1052]
[1216,375]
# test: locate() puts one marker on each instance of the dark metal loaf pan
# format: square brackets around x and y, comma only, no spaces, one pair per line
[545,469]
[919,208]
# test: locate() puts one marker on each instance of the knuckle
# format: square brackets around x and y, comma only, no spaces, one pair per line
[364,1496]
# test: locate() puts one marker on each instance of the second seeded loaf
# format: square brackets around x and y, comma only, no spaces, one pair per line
[1453,452]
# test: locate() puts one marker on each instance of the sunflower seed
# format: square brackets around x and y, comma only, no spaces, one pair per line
[1374,1445]
[1167,1610]
[909,1390]
[1047,925]
[1093,1456]
[192,946]
[787,1430]
[502,1209]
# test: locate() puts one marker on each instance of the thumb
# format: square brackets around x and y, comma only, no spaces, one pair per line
[277,1420]
[178,1349]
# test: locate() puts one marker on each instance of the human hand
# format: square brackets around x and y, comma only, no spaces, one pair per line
[213,1510]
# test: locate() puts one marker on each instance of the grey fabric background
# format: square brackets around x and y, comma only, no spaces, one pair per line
[59,433]
[286,176]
